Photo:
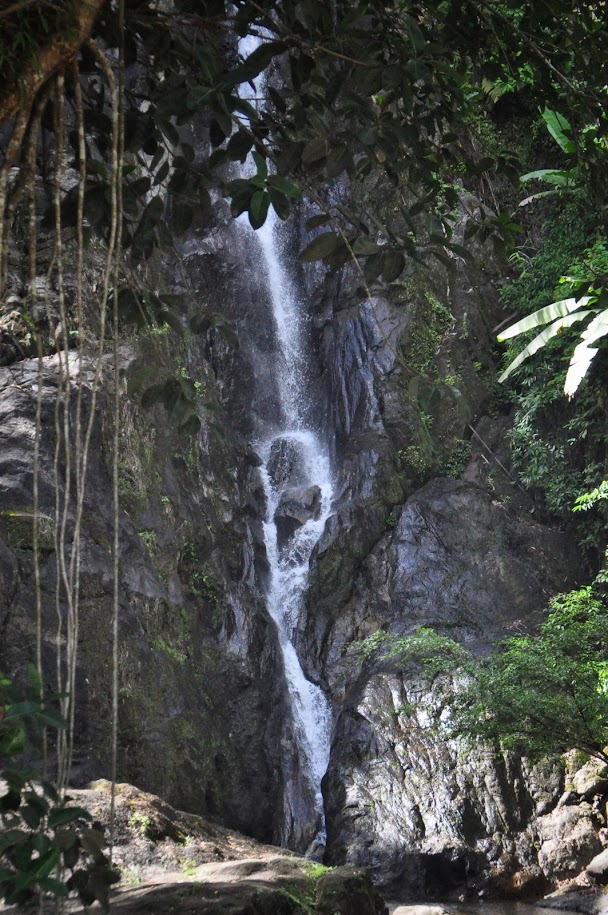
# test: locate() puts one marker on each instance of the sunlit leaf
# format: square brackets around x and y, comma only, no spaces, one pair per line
[543,316]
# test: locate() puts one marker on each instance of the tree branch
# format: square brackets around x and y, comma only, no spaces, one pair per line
[52,57]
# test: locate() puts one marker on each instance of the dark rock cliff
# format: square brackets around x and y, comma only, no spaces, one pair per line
[429,528]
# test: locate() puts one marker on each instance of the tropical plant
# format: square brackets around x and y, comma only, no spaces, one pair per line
[590,304]
[47,846]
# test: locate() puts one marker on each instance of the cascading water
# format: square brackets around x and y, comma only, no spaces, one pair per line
[298,486]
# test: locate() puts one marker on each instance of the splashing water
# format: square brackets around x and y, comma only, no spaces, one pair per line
[298,486]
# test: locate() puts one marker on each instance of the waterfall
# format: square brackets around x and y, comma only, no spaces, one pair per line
[298,486]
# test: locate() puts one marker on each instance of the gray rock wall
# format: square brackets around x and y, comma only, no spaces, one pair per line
[468,553]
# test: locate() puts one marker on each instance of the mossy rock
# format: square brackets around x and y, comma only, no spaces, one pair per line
[19,527]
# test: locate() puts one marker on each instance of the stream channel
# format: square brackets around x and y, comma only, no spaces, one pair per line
[298,488]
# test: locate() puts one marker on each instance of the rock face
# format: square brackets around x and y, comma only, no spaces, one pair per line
[463,553]
[201,682]
[429,529]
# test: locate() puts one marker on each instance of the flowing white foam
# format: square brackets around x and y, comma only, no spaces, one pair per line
[306,467]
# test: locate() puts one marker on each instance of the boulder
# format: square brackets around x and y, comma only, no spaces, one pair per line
[569,839]
[597,869]
[296,507]
[591,779]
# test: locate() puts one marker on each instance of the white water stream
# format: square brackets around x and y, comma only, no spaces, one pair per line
[295,469]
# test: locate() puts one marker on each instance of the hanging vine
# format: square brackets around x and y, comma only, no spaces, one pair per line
[74,422]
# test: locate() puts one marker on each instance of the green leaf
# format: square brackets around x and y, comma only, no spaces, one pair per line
[285,186]
[63,815]
[53,886]
[338,160]
[218,157]
[183,217]
[47,863]
[558,126]
[290,158]
[544,315]
[365,247]
[315,222]
[373,267]
[239,145]
[50,791]
[258,209]
[539,341]
[12,742]
[153,212]
[260,163]
[257,61]
[9,801]
[314,151]
[280,203]
[558,177]
[584,354]
[170,132]
[320,247]
[393,265]
[161,174]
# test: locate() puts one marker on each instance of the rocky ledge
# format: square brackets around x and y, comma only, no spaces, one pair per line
[173,861]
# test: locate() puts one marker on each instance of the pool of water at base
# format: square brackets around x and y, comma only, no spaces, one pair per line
[466,908]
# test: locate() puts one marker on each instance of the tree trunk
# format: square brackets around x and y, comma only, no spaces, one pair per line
[52,57]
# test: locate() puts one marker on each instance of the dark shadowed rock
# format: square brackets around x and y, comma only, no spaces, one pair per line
[295,508]
[285,464]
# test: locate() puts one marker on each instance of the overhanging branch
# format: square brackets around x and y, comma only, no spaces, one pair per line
[53,56]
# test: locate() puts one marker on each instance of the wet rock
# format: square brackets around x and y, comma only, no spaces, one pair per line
[286,463]
[295,508]
[202,697]
[573,898]
[427,815]
[597,869]
[186,863]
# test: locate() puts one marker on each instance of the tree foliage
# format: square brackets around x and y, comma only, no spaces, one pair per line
[46,846]
[538,694]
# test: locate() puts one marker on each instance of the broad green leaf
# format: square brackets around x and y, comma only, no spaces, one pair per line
[393,264]
[183,216]
[50,885]
[285,186]
[558,126]
[63,815]
[316,221]
[320,247]
[543,316]
[280,203]
[559,177]
[538,342]
[314,151]
[257,61]
[365,247]
[239,145]
[12,742]
[584,353]
[260,163]
[258,209]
